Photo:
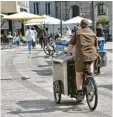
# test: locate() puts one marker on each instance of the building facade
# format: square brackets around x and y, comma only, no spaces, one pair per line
[83,8]
[42,7]
[11,7]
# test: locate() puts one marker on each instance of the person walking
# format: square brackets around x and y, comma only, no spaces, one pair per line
[100,36]
[10,39]
[34,37]
[41,35]
[101,40]
[29,38]
[68,31]
[86,52]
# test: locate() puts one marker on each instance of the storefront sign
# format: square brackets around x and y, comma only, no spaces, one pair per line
[5,25]
[17,24]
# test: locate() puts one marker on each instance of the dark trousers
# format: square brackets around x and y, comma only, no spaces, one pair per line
[41,41]
[33,44]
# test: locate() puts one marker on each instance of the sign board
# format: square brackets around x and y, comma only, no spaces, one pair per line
[5,25]
[17,24]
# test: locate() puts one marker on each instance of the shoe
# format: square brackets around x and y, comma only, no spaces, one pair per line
[80,95]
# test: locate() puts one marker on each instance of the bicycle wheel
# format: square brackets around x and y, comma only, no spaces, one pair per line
[57,91]
[49,50]
[91,94]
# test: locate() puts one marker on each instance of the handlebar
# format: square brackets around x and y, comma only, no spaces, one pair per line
[68,53]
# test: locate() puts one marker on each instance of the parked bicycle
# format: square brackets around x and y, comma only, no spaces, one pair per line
[49,47]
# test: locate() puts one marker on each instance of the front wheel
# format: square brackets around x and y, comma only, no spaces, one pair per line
[57,91]
[91,94]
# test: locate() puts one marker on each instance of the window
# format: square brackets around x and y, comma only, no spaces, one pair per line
[75,11]
[36,8]
[101,10]
[47,8]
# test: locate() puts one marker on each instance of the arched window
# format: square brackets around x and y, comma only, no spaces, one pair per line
[101,9]
[74,11]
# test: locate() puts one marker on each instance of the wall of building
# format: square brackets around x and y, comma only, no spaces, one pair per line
[8,6]
[42,9]
[11,7]
[14,6]
[85,10]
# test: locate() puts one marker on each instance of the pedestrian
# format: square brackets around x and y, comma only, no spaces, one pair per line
[14,37]
[37,30]
[41,36]
[68,31]
[21,37]
[17,40]
[101,37]
[85,51]
[101,41]
[10,39]
[34,37]
[29,38]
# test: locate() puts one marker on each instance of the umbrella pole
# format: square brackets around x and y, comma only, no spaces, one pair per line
[53,28]
[24,27]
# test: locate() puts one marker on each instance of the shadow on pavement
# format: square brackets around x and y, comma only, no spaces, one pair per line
[49,63]
[6,79]
[46,69]
[24,78]
[45,57]
[46,72]
[47,106]
[106,86]
[22,53]
[44,65]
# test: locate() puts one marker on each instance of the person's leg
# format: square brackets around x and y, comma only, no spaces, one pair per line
[40,41]
[80,67]
[29,46]
[87,68]
[79,80]
[18,44]
[79,73]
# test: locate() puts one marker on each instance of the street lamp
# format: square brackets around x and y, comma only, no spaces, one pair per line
[93,16]
[61,17]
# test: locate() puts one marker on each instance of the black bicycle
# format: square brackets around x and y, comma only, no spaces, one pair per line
[50,48]
[89,88]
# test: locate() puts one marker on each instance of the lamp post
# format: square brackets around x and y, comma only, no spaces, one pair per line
[93,16]
[61,17]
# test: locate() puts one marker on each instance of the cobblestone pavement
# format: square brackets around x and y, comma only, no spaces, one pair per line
[27,91]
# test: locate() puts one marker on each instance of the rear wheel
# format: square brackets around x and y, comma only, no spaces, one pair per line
[49,50]
[57,91]
[91,94]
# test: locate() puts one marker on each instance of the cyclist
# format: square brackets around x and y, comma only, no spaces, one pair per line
[85,52]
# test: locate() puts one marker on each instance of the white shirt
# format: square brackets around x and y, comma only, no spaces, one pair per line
[29,35]
[68,33]
[9,36]
[34,35]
